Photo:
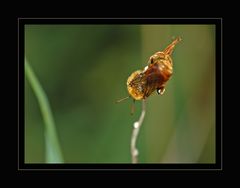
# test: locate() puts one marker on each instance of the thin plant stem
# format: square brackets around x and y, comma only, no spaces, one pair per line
[53,151]
[136,128]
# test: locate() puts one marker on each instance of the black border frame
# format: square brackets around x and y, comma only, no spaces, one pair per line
[121,166]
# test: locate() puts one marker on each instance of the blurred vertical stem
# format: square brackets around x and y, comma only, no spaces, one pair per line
[53,151]
[136,128]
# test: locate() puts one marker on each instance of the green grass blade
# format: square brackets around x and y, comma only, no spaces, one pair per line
[53,151]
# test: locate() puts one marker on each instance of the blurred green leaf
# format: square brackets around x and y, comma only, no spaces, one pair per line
[53,152]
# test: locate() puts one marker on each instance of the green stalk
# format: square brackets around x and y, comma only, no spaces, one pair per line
[53,151]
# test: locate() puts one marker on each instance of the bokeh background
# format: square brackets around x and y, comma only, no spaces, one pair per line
[83,70]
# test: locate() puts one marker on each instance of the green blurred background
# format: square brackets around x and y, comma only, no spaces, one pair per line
[83,70]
